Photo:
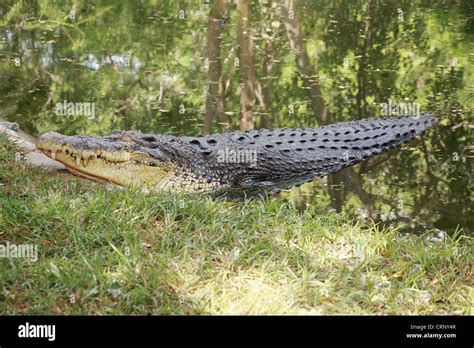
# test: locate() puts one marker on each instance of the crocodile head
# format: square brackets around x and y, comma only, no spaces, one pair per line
[123,158]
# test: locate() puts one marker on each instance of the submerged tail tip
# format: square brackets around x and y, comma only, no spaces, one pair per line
[429,116]
[420,122]
[429,120]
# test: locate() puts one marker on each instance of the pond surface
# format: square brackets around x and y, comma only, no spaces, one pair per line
[192,67]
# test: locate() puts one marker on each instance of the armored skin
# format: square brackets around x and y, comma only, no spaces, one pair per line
[249,162]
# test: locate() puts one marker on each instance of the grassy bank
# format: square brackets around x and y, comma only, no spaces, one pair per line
[105,251]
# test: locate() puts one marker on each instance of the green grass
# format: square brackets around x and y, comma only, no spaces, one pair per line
[104,251]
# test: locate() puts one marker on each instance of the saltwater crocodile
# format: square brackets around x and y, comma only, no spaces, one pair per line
[233,163]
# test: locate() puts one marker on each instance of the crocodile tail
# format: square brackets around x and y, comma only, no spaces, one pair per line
[289,157]
[357,140]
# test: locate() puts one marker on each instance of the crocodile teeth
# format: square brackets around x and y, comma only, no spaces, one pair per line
[85,161]
[78,161]
[53,155]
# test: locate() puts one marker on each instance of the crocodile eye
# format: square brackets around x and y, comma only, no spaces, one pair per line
[149,138]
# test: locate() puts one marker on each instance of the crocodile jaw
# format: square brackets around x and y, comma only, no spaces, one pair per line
[117,164]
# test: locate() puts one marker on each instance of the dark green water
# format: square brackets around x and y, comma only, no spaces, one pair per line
[151,65]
